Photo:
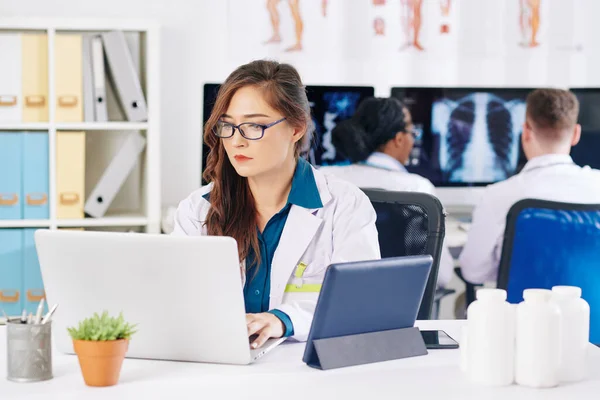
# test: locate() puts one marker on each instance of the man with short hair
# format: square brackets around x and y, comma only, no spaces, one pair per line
[549,132]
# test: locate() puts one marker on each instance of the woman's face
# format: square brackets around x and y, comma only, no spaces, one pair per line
[252,158]
[408,140]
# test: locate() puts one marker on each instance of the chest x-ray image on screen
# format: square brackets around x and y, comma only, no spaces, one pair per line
[467,136]
[479,135]
[586,152]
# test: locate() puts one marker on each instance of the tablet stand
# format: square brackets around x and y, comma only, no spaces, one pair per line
[365,348]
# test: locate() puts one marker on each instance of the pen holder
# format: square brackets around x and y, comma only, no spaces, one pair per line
[29,351]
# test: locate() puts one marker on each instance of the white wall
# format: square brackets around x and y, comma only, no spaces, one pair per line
[203,40]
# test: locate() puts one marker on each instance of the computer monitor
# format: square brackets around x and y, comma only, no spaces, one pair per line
[210,96]
[329,105]
[586,152]
[466,136]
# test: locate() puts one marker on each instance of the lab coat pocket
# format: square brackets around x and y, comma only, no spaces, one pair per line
[315,270]
[307,278]
[317,260]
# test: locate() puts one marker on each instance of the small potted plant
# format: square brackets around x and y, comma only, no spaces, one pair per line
[100,343]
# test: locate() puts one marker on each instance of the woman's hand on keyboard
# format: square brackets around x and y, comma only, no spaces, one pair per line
[266,326]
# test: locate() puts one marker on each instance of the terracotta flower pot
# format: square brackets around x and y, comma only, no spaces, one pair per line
[101,362]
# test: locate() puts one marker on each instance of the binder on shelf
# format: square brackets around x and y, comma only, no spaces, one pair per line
[134,44]
[10,78]
[35,175]
[70,174]
[124,76]
[35,77]
[88,79]
[11,164]
[68,77]
[33,286]
[114,176]
[99,80]
[11,271]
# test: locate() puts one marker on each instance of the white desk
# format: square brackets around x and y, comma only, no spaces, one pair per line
[281,375]
[456,236]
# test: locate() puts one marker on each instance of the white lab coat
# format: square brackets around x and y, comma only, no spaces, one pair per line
[381,171]
[551,177]
[342,230]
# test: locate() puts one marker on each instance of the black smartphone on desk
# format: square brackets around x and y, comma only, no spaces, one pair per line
[438,340]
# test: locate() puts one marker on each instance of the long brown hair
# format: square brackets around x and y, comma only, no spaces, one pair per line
[233,210]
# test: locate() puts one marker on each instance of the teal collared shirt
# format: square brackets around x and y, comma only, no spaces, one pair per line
[303,193]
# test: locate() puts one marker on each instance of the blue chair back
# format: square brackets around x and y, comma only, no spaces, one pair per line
[550,243]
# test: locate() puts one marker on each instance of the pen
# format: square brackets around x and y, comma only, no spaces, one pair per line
[49,315]
[24,317]
[40,310]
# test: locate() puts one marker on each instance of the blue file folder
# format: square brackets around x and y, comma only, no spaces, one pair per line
[11,271]
[35,175]
[11,175]
[33,286]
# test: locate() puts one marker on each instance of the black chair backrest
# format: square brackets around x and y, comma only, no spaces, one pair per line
[409,224]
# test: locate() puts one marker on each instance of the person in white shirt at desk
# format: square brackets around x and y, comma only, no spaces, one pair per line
[549,132]
[289,220]
[378,139]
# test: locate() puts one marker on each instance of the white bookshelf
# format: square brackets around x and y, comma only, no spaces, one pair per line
[149,215]
[25,223]
[118,220]
[103,126]
[27,126]
[75,126]
[121,220]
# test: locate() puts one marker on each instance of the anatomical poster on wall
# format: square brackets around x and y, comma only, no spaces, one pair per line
[418,42]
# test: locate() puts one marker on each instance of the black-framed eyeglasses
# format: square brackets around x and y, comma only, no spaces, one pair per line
[413,133]
[249,130]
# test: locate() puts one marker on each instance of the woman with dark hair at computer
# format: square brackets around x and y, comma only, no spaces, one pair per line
[289,220]
[378,139]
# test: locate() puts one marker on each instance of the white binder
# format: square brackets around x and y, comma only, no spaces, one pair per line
[99,80]
[88,83]
[111,181]
[124,76]
[11,109]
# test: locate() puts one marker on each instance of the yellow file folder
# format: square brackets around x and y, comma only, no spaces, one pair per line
[34,55]
[70,174]
[68,78]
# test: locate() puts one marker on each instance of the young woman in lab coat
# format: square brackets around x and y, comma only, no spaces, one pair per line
[378,139]
[289,220]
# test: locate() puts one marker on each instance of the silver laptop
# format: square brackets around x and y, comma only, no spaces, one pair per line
[185,293]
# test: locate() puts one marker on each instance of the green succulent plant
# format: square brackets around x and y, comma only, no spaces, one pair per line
[102,328]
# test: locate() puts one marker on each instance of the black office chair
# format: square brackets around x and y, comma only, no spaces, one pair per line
[548,243]
[410,224]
